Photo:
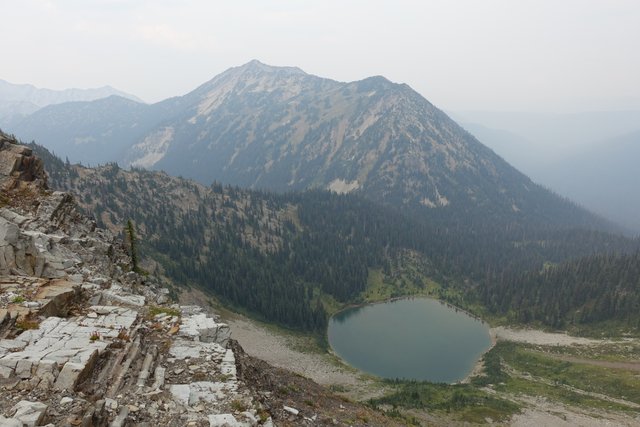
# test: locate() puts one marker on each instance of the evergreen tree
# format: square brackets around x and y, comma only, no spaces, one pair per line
[133,245]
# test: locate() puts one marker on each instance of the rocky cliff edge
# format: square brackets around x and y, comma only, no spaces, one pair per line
[83,341]
[86,342]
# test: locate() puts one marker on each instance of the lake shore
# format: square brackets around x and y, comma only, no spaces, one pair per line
[529,336]
[293,352]
[478,368]
[411,338]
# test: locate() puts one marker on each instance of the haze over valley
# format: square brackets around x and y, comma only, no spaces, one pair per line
[587,157]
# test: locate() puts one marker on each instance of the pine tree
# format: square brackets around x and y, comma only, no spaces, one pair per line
[133,248]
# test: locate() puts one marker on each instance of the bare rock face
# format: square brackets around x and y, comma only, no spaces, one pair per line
[78,328]
[46,244]
[18,166]
[83,342]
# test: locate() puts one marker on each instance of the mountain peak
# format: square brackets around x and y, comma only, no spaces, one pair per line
[256,66]
[375,82]
[253,76]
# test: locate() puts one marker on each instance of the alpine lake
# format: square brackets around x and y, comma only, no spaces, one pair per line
[411,338]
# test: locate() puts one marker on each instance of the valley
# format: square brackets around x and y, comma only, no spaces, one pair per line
[587,157]
[500,394]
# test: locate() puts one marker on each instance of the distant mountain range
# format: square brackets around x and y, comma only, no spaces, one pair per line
[588,157]
[19,100]
[559,134]
[278,128]
[604,178]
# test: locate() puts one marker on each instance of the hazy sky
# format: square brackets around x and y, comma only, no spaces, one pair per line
[559,55]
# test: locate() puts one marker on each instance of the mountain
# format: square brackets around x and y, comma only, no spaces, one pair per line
[78,320]
[278,128]
[515,149]
[19,100]
[91,132]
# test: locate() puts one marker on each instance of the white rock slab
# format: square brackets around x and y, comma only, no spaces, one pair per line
[182,349]
[290,410]
[9,422]
[180,393]
[30,413]
[223,420]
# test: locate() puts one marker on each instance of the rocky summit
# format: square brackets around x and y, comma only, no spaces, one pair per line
[84,341]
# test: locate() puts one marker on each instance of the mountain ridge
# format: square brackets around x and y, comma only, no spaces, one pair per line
[19,100]
[598,173]
[45,96]
[278,128]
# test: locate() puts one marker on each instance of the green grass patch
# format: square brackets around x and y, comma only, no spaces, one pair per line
[493,372]
[238,405]
[558,394]
[409,282]
[616,383]
[154,310]
[27,324]
[610,352]
[517,369]
[465,401]
[604,329]
[338,388]
[18,299]
[330,304]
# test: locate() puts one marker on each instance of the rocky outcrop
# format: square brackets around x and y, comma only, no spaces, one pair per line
[18,166]
[38,245]
[42,234]
[83,342]
[86,343]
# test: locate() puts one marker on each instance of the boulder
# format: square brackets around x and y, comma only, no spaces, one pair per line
[30,413]
[205,329]
[223,420]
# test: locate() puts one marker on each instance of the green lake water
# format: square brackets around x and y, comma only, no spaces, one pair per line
[413,338]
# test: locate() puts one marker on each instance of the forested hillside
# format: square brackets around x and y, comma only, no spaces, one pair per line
[279,256]
[591,289]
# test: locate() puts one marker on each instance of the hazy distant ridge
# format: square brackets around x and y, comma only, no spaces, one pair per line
[589,157]
[17,100]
